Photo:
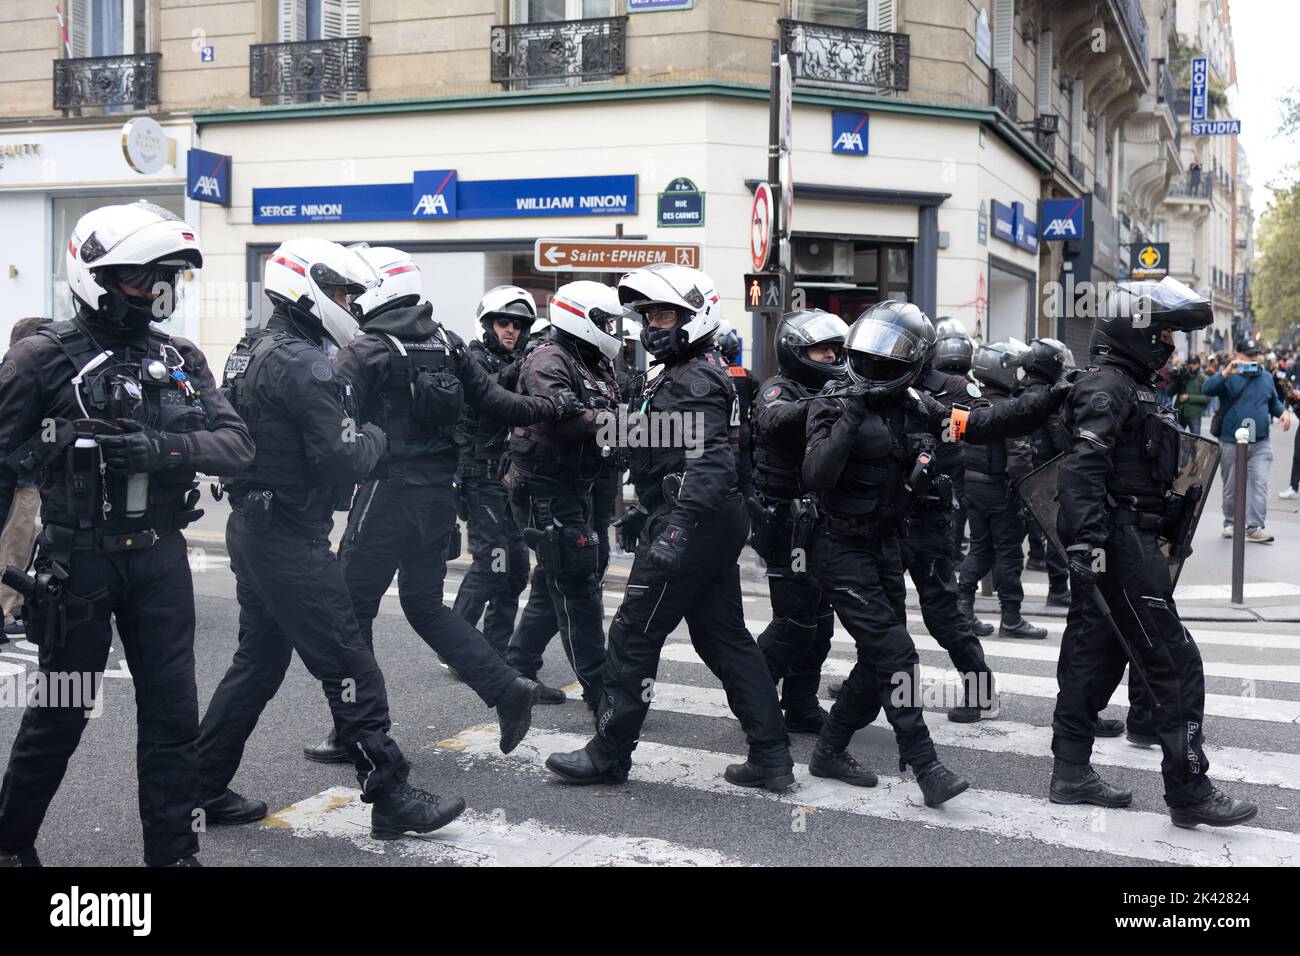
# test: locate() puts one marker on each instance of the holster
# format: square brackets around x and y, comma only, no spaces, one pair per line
[763,532]
[803,519]
[257,508]
[453,542]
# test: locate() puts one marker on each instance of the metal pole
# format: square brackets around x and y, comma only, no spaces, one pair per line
[1239,476]
[764,357]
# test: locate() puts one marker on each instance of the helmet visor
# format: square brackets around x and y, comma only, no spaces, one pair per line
[882,340]
[824,329]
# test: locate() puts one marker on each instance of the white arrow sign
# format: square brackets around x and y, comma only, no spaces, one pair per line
[554,255]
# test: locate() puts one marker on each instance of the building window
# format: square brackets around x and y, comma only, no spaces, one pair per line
[854,14]
[107,27]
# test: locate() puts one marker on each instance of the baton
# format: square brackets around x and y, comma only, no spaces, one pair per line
[1104,608]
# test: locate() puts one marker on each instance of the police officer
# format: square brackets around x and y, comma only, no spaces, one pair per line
[553,466]
[291,590]
[411,377]
[114,417]
[742,379]
[692,525]
[1046,362]
[499,572]
[997,528]
[1115,494]
[809,353]
[952,354]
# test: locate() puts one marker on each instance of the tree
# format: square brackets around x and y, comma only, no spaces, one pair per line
[1277,264]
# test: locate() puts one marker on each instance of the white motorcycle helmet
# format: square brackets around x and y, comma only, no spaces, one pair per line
[140,244]
[306,274]
[588,312]
[689,292]
[399,279]
[509,300]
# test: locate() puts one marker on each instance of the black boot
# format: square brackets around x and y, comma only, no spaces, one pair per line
[328,750]
[1013,625]
[939,784]
[966,607]
[409,809]
[551,695]
[1141,738]
[975,709]
[230,809]
[805,720]
[578,768]
[515,711]
[1059,598]
[750,774]
[1079,783]
[840,765]
[1216,810]
[15,859]
[1108,727]
[833,689]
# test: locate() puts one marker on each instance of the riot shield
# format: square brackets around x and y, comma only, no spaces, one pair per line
[1198,461]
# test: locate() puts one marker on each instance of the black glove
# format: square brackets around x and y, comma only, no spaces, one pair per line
[1080,559]
[566,404]
[1061,390]
[665,554]
[929,408]
[142,449]
[629,527]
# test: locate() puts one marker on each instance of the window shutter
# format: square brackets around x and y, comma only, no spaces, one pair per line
[331,19]
[78,24]
[292,20]
[886,16]
[1043,84]
[352,18]
[518,11]
[1004,33]
[1076,119]
[1101,170]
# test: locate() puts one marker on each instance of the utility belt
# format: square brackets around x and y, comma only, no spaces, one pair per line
[479,468]
[1001,479]
[59,541]
[1142,520]
[883,524]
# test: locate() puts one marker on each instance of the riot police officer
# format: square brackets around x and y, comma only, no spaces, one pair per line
[499,572]
[742,379]
[292,594]
[114,417]
[1116,504]
[952,354]
[411,377]
[692,525]
[553,466]
[809,353]
[1046,362]
[997,528]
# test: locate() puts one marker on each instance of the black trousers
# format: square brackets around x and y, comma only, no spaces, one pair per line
[151,596]
[1295,461]
[402,530]
[499,572]
[705,590]
[930,564]
[797,641]
[1058,572]
[958,516]
[864,579]
[603,493]
[562,601]
[292,597]
[1136,586]
[996,533]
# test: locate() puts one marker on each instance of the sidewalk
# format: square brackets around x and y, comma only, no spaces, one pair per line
[1272,573]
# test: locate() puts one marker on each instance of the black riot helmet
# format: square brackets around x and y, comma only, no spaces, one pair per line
[887,347]
[1133,317]
[1047,359]
[799,331]
[728,343]
[1001,364]
[953,349]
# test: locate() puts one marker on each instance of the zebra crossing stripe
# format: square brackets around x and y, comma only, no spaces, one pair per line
[1128,833]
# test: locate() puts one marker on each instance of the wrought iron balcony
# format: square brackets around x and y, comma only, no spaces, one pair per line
[128,81]
[1189,185]
[1101,194]
[309,69]
[1046,142]
[1076,167]
[1002,94]
[845,58]
[1135,23]
[567,50]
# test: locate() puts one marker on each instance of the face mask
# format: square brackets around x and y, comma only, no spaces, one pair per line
[658,342]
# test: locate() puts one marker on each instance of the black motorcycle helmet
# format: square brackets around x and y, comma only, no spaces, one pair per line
[953,349]
[887,347]
[1001,364]
[799,331]
[1134,316]
[1048,359]
[729,346]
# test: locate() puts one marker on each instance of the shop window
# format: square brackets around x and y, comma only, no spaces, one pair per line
[846,276]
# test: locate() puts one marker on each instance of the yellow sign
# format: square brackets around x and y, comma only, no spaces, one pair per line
[1149,257]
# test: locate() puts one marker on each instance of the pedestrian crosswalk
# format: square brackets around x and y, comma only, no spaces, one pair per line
[1252,742]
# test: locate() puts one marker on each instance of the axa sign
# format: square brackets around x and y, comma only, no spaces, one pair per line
[849,132]
[207,176]
[433,194]
[1062,219]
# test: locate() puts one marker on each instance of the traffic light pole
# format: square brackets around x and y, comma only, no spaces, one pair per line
[764,354]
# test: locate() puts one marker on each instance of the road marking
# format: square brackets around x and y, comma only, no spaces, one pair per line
[1216,705]
[483,839]
[1262,768]
[1128,833]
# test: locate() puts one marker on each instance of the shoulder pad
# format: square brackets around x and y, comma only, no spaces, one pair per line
[62,329]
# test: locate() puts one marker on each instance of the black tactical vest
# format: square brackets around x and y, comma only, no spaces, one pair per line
[871,484]
[1145,460]
[778,460]
[534,448]
[482,440]
[280,462]
[395,414]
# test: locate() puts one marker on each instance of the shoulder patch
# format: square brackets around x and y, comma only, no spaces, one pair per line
[7,371]
[322,372]
[699,388]
[973,390]
[773,392]
[1100,401]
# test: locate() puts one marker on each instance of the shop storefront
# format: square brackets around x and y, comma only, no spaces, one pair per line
[89,162]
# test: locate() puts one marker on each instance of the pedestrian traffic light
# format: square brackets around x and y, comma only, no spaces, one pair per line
[762,292]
